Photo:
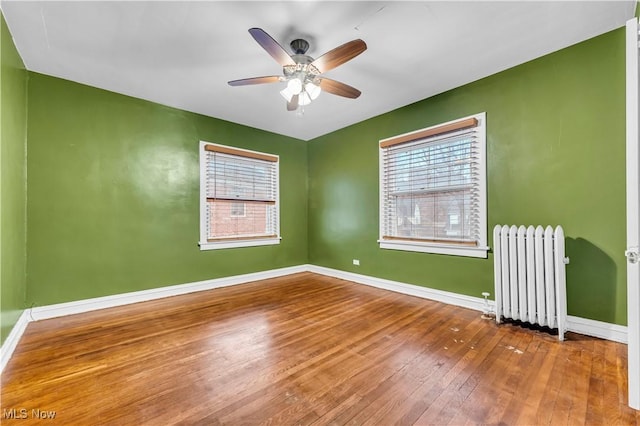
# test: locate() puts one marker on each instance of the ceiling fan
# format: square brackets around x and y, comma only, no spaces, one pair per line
[301,72]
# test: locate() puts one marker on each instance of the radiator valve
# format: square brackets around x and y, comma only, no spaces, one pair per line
[486,312]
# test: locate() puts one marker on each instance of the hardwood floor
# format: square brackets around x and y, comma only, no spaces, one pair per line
[308,349]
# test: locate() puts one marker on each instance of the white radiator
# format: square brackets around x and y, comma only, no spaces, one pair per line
[529,271]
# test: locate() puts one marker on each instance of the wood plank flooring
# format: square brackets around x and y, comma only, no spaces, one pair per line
[311,350]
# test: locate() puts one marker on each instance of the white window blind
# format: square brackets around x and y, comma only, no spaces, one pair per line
[433,189]
[240,195]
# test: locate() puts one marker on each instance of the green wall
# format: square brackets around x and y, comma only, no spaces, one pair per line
[113,195]
[13,193]
[556,155]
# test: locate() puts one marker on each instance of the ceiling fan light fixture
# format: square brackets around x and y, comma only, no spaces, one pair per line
[294,86]
[287,94]
[312,90]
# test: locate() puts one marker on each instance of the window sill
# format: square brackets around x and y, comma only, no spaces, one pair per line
[217,245]
[480,252]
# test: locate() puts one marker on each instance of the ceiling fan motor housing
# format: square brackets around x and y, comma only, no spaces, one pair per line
[299,46]
[302,70]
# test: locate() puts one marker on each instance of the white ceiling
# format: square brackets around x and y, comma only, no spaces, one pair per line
[182,53]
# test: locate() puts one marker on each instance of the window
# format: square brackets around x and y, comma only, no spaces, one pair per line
[238,197]
[433,189]
[238,209]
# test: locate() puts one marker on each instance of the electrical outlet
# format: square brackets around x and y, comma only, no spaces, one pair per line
[356,262]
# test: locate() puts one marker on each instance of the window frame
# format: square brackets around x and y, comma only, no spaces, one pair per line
[251,241]
[481,249]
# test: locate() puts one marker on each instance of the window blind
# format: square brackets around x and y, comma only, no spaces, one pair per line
[430,186]
[241,194]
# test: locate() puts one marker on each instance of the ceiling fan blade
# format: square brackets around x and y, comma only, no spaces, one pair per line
[338,88]
[271,46]
[255,80]
[339,55]
[293,104]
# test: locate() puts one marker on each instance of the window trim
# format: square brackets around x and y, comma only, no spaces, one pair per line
[405,244]
[253,241]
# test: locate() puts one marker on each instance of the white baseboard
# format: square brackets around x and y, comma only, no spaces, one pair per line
[80,306]
[588,327]
[11,342]
[448,297]
[603,330]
